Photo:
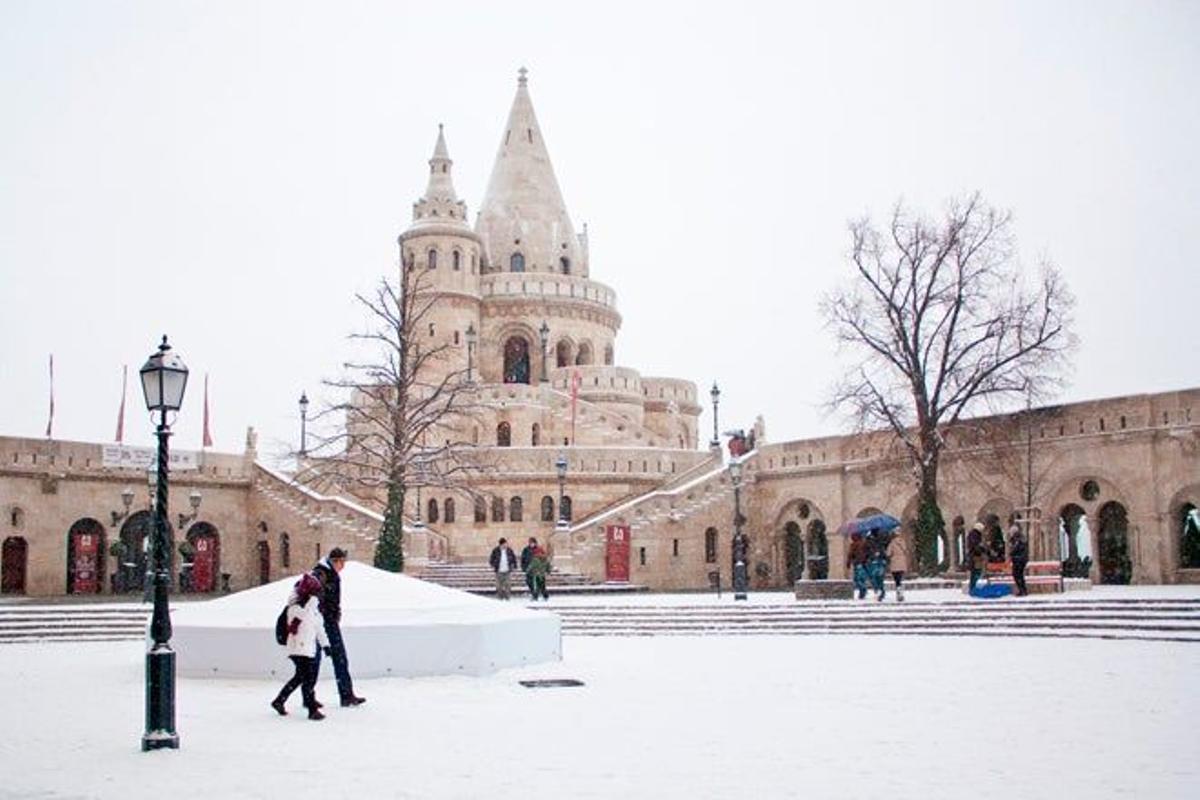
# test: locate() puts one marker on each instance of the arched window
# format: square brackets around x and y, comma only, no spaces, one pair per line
[565,264]
[535,435]
[710,546]
[285,550]
[1189,526]
[474,262]
[1113,536]
[516,360]
[562,353]
[516,262]
[480,510]
[497,509]
[431,510]
[608,354]
[547,508]
[449,506]
[516,510]
[17,517]
[433,259]
[503,435]
[585,353]
[566,507]
[456,258]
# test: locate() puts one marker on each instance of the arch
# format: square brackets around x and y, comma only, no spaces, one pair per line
[535,434]
[285,550]
[205,544]
[516,262]
[868,512]
[564,264]
[516,510]
[516,360]
[793,552]
[14,564]
[1075,545]
[448,507]
[584,356]
[710,546]
[562,353]
[456,260]
[431,510]
[16,516]
[818,550]
[497,509]
[264,562]
[608,354]
[480,510]
[1115,564]
[565,509]
[135,552]
[431,258]
[85,557]
[547,508]
[503,435]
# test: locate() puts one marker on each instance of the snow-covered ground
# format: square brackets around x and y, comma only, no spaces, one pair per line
[659,717]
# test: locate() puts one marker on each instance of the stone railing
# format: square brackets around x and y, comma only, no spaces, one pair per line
[546,285]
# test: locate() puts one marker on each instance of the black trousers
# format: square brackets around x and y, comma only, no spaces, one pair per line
[1019,576]
[305,678]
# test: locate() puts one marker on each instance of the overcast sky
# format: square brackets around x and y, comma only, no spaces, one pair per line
[230,173]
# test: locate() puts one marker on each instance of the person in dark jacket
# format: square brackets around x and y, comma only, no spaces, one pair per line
[326,572]
[503,561]
[1018,551]
[526,560]
[976,556]
[539,567]
[876,543]
[856,560]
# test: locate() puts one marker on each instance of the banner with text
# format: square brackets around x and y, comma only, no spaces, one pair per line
[119,456]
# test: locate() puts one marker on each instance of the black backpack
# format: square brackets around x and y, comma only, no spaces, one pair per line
[281,627]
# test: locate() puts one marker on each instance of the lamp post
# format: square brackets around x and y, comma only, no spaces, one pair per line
[561,465]
[716,397]
[303,423]
[164,379]
[544,335]
[127,502]
[740,544]
[471,336]
[194,501]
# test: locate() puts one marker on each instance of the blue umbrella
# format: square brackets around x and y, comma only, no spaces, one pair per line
[882,522]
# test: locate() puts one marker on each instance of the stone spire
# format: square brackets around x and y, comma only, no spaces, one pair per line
[523,213]
[440,203]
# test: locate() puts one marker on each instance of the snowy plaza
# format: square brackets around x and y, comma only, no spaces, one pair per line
[658,716]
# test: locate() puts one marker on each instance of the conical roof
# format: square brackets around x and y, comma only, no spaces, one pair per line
[523,210]
[440,204]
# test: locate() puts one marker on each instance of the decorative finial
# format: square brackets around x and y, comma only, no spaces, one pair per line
[521,76]
[439,127]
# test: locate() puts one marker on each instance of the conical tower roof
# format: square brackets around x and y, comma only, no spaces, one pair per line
[523,211]
[440,204]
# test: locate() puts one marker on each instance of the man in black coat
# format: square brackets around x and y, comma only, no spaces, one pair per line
[1018,550]
[327,571]
[526,559]
[504,563]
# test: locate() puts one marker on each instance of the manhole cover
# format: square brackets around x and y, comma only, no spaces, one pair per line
[550,683]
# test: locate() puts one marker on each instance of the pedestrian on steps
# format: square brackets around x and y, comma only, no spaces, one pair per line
[526,559]
[898,563]
[503,562]
[856,561]
[1018,551]
[539,567]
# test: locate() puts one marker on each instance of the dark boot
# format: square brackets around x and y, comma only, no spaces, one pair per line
[353,700]
[277,704]
[315,713]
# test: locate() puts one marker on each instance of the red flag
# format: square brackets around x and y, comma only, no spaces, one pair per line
[207,441]
[50,422]
[576,380]
[121,411]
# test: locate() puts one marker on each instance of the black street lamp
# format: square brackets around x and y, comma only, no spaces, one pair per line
[716,397]
[164,379]
[544,335]
[741,578]
[561,465]
[471,337]
[303,423]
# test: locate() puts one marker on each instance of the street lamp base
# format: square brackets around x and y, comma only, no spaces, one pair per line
[160,700]
[160,740]
[739,595]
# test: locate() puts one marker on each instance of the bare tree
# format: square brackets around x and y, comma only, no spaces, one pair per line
[944,325]
[403,410]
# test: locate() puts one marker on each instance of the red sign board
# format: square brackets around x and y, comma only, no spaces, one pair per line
[616,555]
[87,566]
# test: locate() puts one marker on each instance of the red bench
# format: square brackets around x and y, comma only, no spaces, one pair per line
[1041,577]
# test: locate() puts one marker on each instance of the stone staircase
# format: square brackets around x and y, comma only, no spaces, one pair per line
[1175,620]
[479,579]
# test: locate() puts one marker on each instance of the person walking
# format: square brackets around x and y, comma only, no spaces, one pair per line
[976,555]
[526,559]
[898,563]
[877,543]
[503,561]
[306,632]
[1018,551]
[856,561]
[539,567]
[328,572]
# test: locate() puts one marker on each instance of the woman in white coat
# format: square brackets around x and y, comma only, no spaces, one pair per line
[306,632]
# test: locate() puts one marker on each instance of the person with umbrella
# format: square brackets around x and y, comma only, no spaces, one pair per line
[877,555]
[856,560]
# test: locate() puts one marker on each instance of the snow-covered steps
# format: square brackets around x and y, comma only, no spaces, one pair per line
[1134,619]
[479,579]
[24,623]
